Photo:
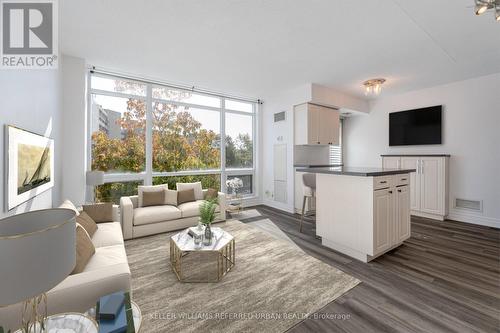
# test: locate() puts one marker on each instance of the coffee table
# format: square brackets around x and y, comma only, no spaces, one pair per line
[204,263]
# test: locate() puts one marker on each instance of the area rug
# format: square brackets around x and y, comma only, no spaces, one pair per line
[272,287]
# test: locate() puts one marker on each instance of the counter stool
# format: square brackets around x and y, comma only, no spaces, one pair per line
[309,189]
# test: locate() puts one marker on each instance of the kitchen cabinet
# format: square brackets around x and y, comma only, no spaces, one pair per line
[391,214]
[316,125]
[428,186]
[361,215]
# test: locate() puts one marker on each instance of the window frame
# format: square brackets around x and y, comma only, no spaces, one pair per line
[148,174]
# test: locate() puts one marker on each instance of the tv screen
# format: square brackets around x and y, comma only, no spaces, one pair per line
[415,127]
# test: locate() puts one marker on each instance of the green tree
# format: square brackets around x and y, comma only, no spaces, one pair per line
[179,143]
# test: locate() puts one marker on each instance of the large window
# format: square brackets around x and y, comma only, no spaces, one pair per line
[145,133]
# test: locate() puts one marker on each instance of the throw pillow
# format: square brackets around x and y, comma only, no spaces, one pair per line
[87,223]
[101,212]
[69,205]
[84,249]
[198,192]
[155,188]
[185,196]
[171,197]
[211,194]
[153,198]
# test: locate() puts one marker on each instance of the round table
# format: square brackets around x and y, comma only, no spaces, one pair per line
[70,322]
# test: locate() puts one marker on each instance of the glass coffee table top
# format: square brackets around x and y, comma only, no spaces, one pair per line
[185,242]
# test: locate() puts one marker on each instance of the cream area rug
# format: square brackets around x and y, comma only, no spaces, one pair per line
[272,287]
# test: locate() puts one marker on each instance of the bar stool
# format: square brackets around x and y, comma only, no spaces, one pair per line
[309,189]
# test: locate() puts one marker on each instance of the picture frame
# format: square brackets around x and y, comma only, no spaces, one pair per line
[29,164]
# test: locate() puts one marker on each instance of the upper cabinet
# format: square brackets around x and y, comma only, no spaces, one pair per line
[316,125]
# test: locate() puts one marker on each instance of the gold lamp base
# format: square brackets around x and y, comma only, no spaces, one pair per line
[34,314]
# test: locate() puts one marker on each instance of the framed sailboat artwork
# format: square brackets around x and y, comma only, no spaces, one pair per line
[30,165]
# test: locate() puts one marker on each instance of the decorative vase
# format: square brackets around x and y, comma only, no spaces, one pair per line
[207,240]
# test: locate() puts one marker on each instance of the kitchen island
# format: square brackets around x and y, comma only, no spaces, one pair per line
[362,212]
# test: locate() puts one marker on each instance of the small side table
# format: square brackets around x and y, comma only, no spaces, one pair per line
[68,322]
[235,205]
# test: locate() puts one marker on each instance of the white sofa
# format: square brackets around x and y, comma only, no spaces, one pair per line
[142,221]
[106,272]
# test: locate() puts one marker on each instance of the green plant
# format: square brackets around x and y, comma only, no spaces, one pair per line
[207,211]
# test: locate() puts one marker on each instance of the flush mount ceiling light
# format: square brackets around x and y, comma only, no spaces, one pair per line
[483,5]
[373,86]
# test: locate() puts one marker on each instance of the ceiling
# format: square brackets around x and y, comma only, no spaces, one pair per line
[258,47]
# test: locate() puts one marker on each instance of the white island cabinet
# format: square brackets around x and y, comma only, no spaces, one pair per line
[362,212]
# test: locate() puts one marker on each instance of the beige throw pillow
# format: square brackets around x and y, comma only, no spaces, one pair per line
[100,212]
[84,249]
[198,191]
[171,197]
[153,198]
[87,223]
[185,196]
[155,188]
[211,194]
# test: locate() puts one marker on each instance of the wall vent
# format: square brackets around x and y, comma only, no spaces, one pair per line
[475,205]
[279,116]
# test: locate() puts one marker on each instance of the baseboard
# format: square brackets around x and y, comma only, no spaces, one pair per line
[279,205]
[474,219]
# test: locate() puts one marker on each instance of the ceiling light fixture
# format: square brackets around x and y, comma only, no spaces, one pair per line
[373,86]
[481,6]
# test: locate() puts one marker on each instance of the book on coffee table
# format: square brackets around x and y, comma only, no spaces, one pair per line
[192,231]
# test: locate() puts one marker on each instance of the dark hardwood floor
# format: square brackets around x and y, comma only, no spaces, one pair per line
[445,278]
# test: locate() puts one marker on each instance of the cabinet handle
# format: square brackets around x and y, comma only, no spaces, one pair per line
[390,192]
[399,190]
[383,182]
[403,178]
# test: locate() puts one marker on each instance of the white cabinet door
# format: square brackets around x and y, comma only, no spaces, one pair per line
[408,162]
[432,185]
[329,124]
[383,212]
[402,218]
[313,118]
[391,162]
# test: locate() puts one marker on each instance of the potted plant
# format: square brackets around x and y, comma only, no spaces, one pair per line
[207,216]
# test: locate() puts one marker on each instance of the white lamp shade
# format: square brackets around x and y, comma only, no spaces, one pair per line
[95,178]
[37,251]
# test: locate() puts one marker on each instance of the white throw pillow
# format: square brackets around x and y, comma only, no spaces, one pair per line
[171,197]
[198,192]
[154,188]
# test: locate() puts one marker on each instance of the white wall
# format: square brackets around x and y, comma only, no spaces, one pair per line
[279,133]
[30,100]
[471,120]
[74,130]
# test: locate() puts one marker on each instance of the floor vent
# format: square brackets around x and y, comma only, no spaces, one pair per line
[475,205]
[279,116]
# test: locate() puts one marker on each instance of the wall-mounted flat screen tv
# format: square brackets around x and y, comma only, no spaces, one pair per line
[415,127]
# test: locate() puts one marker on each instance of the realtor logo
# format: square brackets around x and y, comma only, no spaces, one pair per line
[29,34]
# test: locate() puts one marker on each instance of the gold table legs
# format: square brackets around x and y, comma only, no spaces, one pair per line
[224,261]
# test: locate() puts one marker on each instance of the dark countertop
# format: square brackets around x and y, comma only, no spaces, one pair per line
[355,171]
[316,165]
[428,155]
